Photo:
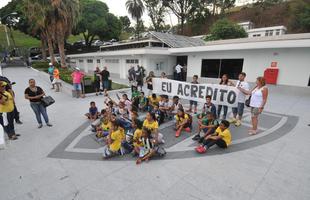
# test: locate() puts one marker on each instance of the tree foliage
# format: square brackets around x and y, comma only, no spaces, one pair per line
[126,23]
[156,11]
[182,9]
[95,20]
[225,29]
[136,9]
[300,11]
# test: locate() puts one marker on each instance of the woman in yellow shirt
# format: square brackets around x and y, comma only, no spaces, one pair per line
[115,140]
[221,137]
[7,110]
[183,121]
[151,124]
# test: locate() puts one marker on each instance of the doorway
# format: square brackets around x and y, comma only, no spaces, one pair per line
[181,60]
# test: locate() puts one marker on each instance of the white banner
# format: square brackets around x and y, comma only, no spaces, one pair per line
[221,94]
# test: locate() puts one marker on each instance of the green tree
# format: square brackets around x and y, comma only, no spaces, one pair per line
[182,9]
[300,19]
[64,16]
[136,9]
[125,23]
[225,29]
[156,11]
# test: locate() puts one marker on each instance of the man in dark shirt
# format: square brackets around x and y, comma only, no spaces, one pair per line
[105,74]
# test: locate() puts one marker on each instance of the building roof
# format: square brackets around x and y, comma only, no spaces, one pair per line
[177,41]
[283,41]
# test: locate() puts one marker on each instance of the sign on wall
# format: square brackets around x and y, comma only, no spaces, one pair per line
[221,94]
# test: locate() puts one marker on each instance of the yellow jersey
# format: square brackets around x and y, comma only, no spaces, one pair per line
[226,135]
[182,119]
[8,105]
[117,138]
[150,125]
[136,137]
[106,127]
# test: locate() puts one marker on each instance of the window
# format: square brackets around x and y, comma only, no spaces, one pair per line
[89,60]
[111,61]
[98,60]
[269,33]
[132,61]
[256,35]
[215,68]
[81,61]
[210,68]
[278,32]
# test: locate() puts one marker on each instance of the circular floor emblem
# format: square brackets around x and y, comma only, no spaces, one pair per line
[81,144]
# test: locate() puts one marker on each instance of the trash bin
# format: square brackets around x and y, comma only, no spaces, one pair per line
[271,75]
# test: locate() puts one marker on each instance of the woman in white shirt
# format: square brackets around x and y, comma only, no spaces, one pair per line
[259,96]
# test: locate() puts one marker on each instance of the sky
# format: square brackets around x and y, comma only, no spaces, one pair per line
[118,8]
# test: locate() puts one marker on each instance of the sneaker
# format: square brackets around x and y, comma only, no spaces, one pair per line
[177,133]
[200,149]
[232,120]
[40,126]
[19,122]
[238,123]
[48,124]
[188,129]
[196,137]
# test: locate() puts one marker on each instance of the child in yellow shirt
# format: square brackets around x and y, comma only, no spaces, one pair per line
[221,137]
[114,143]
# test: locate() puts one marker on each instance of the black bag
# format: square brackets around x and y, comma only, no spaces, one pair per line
[47,101]
[248,101]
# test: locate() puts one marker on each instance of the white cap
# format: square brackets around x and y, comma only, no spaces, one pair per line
[77,68]
[50,63]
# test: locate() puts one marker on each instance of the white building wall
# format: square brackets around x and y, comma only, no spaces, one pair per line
[293,63]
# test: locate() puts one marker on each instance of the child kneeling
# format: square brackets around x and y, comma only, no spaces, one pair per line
[221,137]
[149,147]
[183,121]
[114,142]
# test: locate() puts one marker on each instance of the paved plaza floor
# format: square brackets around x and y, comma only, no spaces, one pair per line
[64,162]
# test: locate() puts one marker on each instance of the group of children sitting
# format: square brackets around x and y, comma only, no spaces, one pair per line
[124,132]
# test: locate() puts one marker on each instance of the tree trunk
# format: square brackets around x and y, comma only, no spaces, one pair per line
[43,48]
[61,48]
[51,49]
[182,26]
[214,6]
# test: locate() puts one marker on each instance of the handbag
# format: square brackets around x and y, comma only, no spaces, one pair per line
[248,101]
[47,101]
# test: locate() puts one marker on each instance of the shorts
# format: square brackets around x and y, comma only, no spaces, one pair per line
[191,102]
[55,80]
[254,112]
[238,110]
[77,86]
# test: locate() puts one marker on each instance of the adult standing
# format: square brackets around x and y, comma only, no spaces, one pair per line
[56,79]
[105,74]
[34,94]
[8,88]
[224,81]
[178,71]
[97,79]
[77,77]
[50,71]
[132,77]
[140,77]
[149,82]
[259,95]
[238,111]
[7,111]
